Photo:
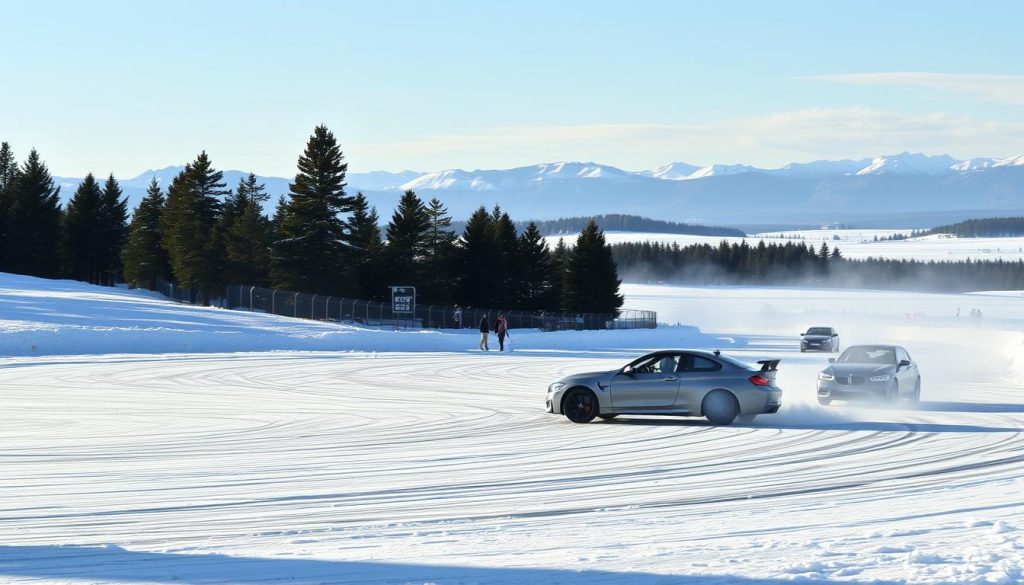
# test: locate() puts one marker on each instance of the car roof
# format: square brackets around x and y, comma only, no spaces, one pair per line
[878,345]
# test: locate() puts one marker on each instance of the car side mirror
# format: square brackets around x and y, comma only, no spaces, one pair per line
[831,360]
[802,333]
[627,371]
[904,363]
[835,335]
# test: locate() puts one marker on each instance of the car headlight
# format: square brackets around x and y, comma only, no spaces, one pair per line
[882,378]
[555,387]
[826,377]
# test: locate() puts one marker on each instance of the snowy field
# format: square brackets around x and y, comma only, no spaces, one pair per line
[857,244]
[144,441]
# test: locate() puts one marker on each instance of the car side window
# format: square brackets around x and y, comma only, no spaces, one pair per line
[901,354]
[696,363]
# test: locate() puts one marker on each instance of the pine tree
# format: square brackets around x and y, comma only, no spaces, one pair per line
[312,251]
[33,244]
[440,255]
[83,246]
[592,281]
[189,226]
[560,266]
[536,271]
[475,260]
[368,247]
[406,248]
[112,229]
[8,173]
[145,259]
[505,283]
[247,234]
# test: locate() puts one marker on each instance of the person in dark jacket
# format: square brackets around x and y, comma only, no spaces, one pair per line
[485,328]
[501,328]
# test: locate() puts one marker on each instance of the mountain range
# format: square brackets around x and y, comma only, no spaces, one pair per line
[904,186]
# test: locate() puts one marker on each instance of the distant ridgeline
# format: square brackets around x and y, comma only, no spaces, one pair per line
[995,227]
[631,223]
[799,264]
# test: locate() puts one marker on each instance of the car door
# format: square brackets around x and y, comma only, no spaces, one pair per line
[651,384]
[697,375]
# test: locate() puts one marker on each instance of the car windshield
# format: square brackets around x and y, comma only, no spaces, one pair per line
[868,355]
[819,331]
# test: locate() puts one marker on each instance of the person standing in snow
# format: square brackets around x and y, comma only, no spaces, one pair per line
[501,328]
[485,328]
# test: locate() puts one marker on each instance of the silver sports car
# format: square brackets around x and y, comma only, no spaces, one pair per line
[870,371]
[672,382]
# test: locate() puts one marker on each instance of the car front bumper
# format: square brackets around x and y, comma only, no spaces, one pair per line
[868,390]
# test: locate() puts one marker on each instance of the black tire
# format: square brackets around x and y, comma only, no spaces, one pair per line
[915,397]
[607,416]
[893,395]
[720,407]
[824,401]
[580,405]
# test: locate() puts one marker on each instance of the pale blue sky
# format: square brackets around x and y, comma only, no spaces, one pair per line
[124,86]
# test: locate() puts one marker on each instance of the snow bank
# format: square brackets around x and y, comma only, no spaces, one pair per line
[60,317]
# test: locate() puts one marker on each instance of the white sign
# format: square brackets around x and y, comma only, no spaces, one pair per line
[403,299]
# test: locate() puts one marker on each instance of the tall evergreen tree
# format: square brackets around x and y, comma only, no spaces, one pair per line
[145,259]
[112,228]
[83,245]
[440,255]
[247,234]
[189,226]
[560,265]
[407,234]
[312,252]
[33,243]
[368,248]
[475,260]
[536,272]
[592,280]
[8,172]
[505,283]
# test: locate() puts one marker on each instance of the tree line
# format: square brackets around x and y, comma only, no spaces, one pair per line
[322,240]
[631,223]
[994,227]
[801,264]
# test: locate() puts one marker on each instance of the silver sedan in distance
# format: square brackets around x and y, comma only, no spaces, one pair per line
[881,372]
[670,382]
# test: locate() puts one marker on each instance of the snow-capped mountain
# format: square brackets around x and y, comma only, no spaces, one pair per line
[907,163]
[1014,161]
[822,168]
[720,170]
[672,171]
[823,190]
[487,180]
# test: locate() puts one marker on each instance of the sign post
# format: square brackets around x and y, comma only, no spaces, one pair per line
[403,302]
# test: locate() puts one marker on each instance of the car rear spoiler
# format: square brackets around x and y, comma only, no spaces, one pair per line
[769,365]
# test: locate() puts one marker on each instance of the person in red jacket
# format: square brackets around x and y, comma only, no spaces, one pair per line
[501,328]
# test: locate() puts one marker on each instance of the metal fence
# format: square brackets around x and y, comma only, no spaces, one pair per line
[378,314]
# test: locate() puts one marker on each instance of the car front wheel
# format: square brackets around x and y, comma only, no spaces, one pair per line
[580,405]
[915,397]
[721,408]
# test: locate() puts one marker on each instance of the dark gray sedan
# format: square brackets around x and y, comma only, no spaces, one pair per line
[881,372]
[670,382]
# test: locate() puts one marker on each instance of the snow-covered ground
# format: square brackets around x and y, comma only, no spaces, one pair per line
[856,244]
[158,454]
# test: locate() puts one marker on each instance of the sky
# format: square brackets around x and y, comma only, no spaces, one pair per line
[111,86]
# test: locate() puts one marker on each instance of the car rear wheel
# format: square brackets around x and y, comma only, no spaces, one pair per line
[720,407]
[580,405]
